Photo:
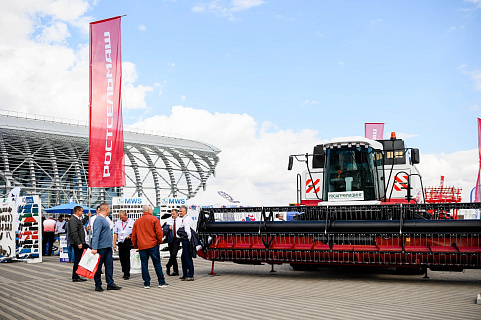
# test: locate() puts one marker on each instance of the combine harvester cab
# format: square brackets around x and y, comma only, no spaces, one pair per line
[347,170]
[359,203]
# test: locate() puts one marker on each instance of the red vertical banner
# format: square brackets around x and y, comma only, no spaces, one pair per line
[477,195]
[374,131]
[106,137]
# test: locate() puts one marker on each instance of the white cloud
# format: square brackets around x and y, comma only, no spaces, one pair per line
[340,63]
[159,86]
[476,76]
[221,9]
[460,170]
[476,2]
[268,126]
[182,97]
[240,5]
[56,33]
[258,152]
[454,28]
[402,135]
[199,8]
[309,102]
[474,107]
[133,97]
[41,72]
[142,27]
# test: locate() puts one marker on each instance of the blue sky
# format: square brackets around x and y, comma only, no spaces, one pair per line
[262,79]
[326,65]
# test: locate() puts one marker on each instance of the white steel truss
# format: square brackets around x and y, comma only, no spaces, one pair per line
[53,163]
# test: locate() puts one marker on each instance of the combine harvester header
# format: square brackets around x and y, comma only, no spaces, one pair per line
[360,202]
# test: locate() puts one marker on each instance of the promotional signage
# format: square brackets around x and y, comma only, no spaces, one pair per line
[167,204]
[63,248]
[345,196]
[106,137]
[374,131]
[7,232]
[131,205]
[172,201]
[477,194]
[29,229]
[22,213]
[129,201]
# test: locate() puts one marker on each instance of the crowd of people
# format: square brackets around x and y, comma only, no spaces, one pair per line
[144,235]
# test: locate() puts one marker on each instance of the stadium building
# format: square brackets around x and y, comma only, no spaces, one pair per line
[48,156]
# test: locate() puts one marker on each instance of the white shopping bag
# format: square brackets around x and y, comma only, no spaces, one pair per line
[135,266]
[89,261]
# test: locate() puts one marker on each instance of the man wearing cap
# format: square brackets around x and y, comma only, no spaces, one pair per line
[48,235]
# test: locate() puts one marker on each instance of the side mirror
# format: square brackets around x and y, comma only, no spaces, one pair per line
[291,162]
[318,157]
[415,157]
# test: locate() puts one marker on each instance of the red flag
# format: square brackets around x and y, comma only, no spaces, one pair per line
[374,131]
[477,195]
[106,138]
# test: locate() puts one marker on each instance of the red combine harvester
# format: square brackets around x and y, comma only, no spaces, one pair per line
[360,202]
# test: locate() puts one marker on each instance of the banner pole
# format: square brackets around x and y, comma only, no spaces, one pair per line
[90,120]
[89,194]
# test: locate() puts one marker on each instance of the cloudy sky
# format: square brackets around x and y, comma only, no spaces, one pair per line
[262,79]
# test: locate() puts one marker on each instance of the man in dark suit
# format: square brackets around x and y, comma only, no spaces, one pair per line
[76,238]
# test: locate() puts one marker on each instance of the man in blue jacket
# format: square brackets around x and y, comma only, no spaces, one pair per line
[102,244]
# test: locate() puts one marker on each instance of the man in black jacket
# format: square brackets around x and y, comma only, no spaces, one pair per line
[76,238]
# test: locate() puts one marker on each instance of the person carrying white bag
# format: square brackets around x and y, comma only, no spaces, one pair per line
[102,243]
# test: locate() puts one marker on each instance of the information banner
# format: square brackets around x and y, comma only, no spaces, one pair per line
[106,137]
[63,246]
[374,131]
[7,230]
[29,229]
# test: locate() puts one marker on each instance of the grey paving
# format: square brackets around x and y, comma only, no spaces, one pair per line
[45,291]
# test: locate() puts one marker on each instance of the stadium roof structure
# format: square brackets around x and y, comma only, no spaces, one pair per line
[48,156]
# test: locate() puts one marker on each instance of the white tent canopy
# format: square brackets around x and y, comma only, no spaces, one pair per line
[215,197]
[244,194]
